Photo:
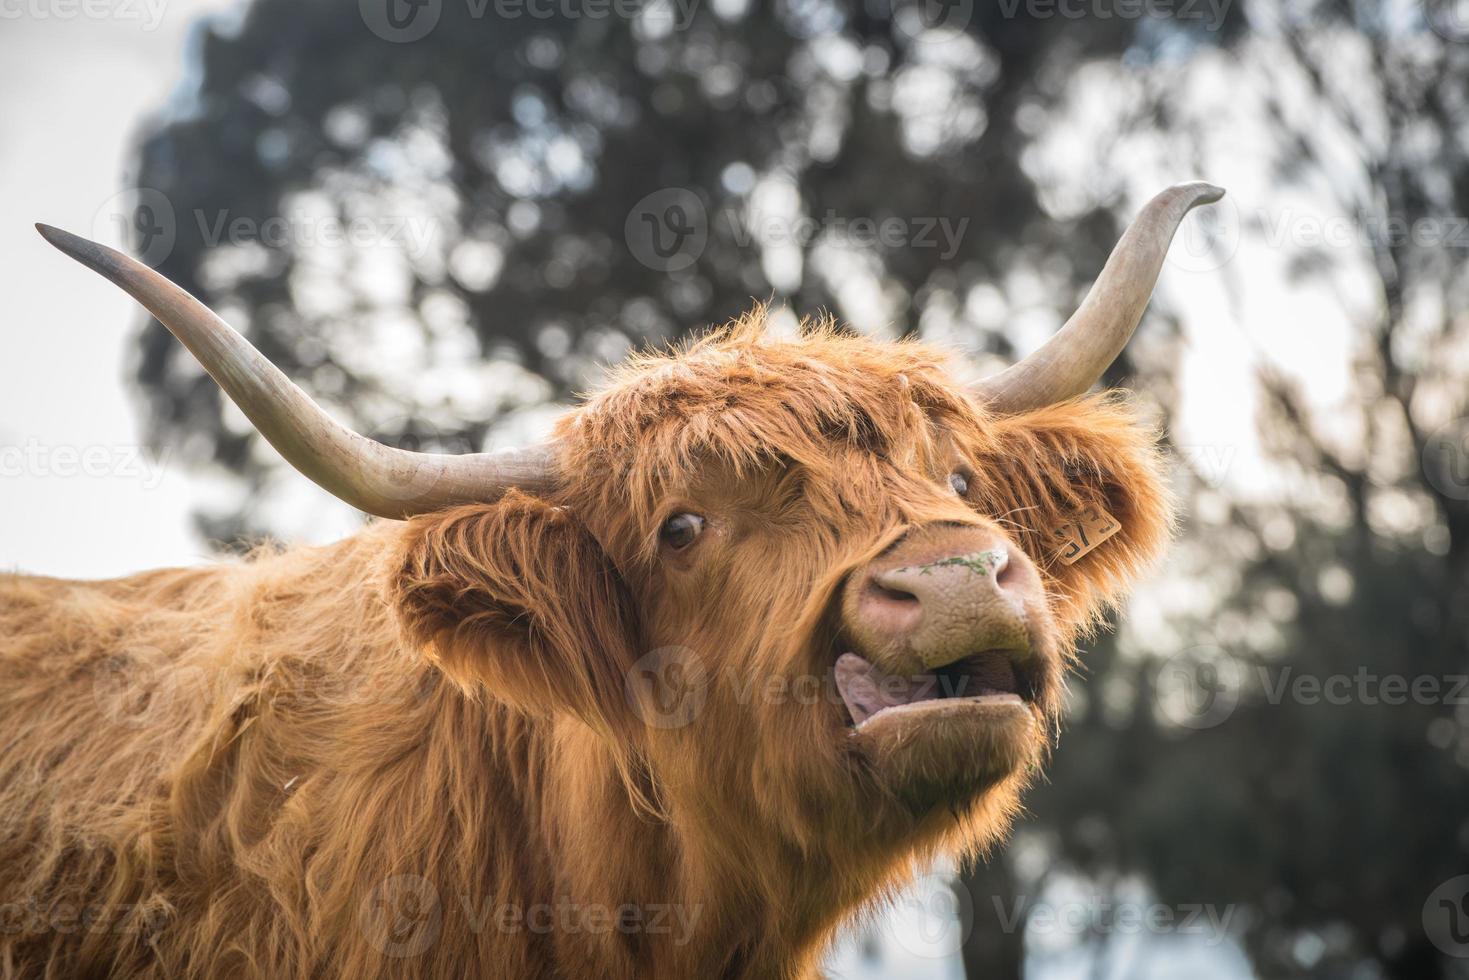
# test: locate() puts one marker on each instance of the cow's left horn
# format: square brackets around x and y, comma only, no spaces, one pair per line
[1076,357]
[372,477]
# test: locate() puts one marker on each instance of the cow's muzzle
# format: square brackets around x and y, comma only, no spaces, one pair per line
[946,614]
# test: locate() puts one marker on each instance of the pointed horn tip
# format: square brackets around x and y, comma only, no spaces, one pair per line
[53,234]
[74,245]
[1197,191]
[108,262]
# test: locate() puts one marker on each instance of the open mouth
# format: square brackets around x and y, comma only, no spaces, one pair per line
[991,677]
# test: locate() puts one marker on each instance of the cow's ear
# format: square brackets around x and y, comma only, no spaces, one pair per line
[517,600]
[1081,485]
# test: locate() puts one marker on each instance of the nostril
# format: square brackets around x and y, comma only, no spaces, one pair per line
[1006,571]
[886,610]
[886,594]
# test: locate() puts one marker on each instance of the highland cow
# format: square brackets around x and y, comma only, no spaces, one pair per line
[767,625]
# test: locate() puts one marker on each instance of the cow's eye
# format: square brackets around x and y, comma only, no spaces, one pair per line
[680,530]
[960,483]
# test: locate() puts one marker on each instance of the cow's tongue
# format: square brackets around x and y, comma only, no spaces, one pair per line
[867,690]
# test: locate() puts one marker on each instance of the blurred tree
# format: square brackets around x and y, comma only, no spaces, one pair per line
[494,176]
[1303,759]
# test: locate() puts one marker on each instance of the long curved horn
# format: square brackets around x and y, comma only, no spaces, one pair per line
[1076,357]
[372,477]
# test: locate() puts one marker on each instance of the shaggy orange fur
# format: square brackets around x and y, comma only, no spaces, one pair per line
[517,739]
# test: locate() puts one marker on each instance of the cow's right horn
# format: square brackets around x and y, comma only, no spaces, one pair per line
[1076,357]
[372,477]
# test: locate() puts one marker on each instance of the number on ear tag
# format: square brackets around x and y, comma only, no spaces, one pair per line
[1086,529]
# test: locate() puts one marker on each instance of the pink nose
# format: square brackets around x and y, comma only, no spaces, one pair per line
[940,599]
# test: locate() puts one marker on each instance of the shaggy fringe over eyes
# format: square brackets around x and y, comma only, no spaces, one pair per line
[1041,468]
[743,398]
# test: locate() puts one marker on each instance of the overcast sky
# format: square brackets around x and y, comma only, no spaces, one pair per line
[79,496]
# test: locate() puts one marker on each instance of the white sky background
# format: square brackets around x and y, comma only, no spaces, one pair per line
[75,93]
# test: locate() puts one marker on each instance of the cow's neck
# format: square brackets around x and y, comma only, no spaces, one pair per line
[749,904]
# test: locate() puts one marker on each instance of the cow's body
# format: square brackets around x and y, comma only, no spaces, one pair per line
[251,769]
[203,766]
[768,624]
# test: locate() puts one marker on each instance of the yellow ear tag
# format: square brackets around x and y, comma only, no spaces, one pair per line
[1086,529]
